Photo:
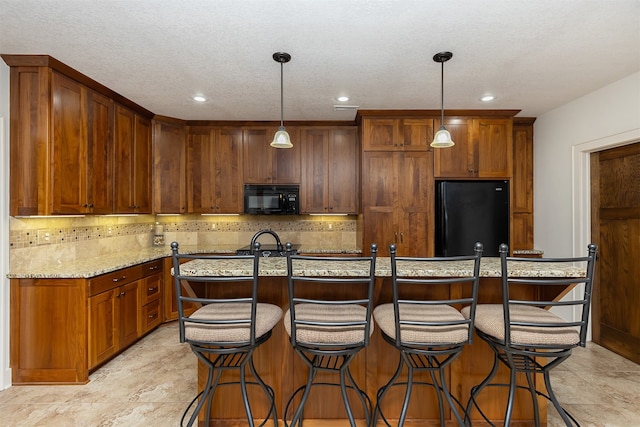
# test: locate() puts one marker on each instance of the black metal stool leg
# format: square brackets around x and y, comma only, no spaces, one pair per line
[534,398]
[383,391]
[245,398]
[447,395]
[512,395]
[475,390]
[297,418]
[563,414]
[268,391]
[407,396]
[434,381]
[345,397]
[366,403]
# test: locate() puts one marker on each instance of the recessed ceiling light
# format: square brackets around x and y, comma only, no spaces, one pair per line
[343,98]
[487,98]
[199,98]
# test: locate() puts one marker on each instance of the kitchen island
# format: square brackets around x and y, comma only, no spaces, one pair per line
[285,372]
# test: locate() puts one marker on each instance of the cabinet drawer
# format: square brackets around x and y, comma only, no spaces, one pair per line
[150,316]
[152,267]
[150,288]
[114,279]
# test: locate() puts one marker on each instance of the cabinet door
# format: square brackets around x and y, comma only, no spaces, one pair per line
[522,231]
[128,304]
[169,168]
[315,177]
[495,148]
[415,204]
[103,333]
[100,153]
[457,161]
[228,189]
[141,182]
[415,134]
[201,175]
[257,155]
[124,160]
[69,135]
[522,182]
[343,154]
[379,195]
[132,175]
[378,134]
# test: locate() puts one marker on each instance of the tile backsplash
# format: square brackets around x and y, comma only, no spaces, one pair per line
[45,239]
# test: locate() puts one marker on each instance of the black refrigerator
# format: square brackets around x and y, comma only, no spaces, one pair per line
[469,212]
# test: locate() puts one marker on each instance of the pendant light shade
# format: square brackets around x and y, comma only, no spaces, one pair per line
[442,138]
[281,138]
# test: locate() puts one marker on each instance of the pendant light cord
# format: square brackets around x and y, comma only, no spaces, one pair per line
[281,95]
[442,93]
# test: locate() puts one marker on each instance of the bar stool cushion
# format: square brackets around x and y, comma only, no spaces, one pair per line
[328,313]
[490,320]
[267,316]
[384,317]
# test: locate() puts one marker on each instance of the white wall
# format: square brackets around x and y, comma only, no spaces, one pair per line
[5,373]
[563,139]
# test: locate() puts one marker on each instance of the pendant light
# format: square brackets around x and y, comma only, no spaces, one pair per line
[442,138]
[281,138]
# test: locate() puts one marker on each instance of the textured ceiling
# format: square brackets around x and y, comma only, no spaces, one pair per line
[532,55]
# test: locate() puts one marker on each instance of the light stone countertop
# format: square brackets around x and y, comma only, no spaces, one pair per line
[101,264]
[489,267]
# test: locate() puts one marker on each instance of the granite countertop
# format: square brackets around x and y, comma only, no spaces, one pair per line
[101,264]
[489,267]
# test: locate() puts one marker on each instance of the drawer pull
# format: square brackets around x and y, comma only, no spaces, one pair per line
[152,289]
[155,267]
[153,316]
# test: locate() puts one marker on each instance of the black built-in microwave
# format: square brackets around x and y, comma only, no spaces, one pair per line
[271,199]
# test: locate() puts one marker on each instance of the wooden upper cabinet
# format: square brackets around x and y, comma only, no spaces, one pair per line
[396,134]
[169,167]
[522,183]
[132,162]
[483,149]
[263,164]
[81,178]
[329,170]
[214,172]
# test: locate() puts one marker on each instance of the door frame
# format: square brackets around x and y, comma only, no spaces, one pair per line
[581,192]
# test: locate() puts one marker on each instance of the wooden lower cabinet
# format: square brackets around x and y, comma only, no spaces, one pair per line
[113,322]
[62,329]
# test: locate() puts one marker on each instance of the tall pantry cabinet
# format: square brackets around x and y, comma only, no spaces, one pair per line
[397,184]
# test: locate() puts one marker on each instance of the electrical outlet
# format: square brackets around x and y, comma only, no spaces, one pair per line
[44,237]
[330,226]
[214,226]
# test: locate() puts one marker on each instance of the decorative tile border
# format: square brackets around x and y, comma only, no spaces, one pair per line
[81,229]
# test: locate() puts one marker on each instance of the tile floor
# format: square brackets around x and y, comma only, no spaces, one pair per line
[598,387]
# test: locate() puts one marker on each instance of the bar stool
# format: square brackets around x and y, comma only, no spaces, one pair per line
[329,321]
[425,325]
[524,335]
[228,327]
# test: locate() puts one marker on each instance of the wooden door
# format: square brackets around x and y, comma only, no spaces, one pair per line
[379,134]
[169,168]
[124,160]
[494,155]
[257,156]
[315,175]
[128,305]
[457,161]
[103,333]
[415,188]
[141,177]
[615,212]
[69,135]
[228,190]
[343,171]
[200,171]
[379,200]
[100,153]
[416,134]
